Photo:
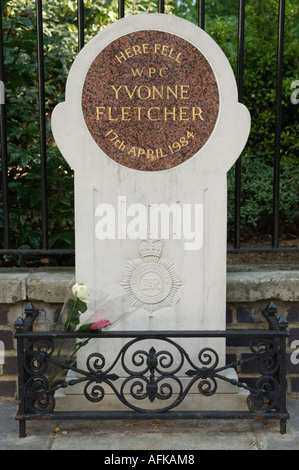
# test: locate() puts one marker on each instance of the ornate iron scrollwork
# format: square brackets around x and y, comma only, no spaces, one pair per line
[206,375]
[37,354]
[151,380]
[266,395]
[266,353]
[150,375]
[39,398]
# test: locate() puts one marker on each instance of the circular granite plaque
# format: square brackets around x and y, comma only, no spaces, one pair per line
[150,100]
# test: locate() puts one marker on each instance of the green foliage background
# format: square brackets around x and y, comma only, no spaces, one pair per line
[61,47]
[260,50]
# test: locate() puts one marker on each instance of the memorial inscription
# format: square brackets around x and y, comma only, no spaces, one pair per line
[150,100]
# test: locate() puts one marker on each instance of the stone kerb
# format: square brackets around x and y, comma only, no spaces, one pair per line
[245,284]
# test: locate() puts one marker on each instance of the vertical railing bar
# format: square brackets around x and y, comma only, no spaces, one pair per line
[42,121]
[241,35]
[278,118]
[201,14]
[121,9]
[161,6]
[80,24]
[3,135]
[238,165]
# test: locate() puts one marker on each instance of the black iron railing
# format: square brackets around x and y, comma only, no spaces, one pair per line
[44,248]
[151,375]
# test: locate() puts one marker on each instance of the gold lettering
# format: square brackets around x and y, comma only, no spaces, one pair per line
[145,48]
[177,57]
[164,50]
[172,113]
[174,93]
[156,48]
[136,49]
[110,118]
[184,92]
[160,154]
[161,74]
[149,114]
[183,113]
[140,152]
[160,93]
[196,111]
[112,134]
[132,150]
[137,72]
[170,54]
[147,91]
[150,154]
[124,113]
[130,94]
[120,57]
[122,146]
[151,71]
[139,108]
[119,144]
[116,90]
[98,108]
[129,52]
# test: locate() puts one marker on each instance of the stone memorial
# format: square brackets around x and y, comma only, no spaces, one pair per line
[151,124]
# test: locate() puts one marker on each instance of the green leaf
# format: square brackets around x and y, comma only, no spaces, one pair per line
[81,306]
[85,327]
[71,303]
[74,316]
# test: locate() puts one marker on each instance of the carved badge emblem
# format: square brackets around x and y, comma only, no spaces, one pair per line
[151,281]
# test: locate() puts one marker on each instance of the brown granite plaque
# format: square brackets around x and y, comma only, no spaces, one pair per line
[150,100]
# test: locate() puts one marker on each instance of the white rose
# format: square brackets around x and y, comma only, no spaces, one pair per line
[81,292]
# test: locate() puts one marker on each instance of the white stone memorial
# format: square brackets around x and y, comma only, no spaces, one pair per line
[151,124]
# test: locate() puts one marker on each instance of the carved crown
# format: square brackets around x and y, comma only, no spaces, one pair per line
[150,248]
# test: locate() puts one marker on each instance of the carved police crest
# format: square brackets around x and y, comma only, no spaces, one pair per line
[151,281]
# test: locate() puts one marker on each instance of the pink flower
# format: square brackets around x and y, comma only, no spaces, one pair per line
[101,323]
